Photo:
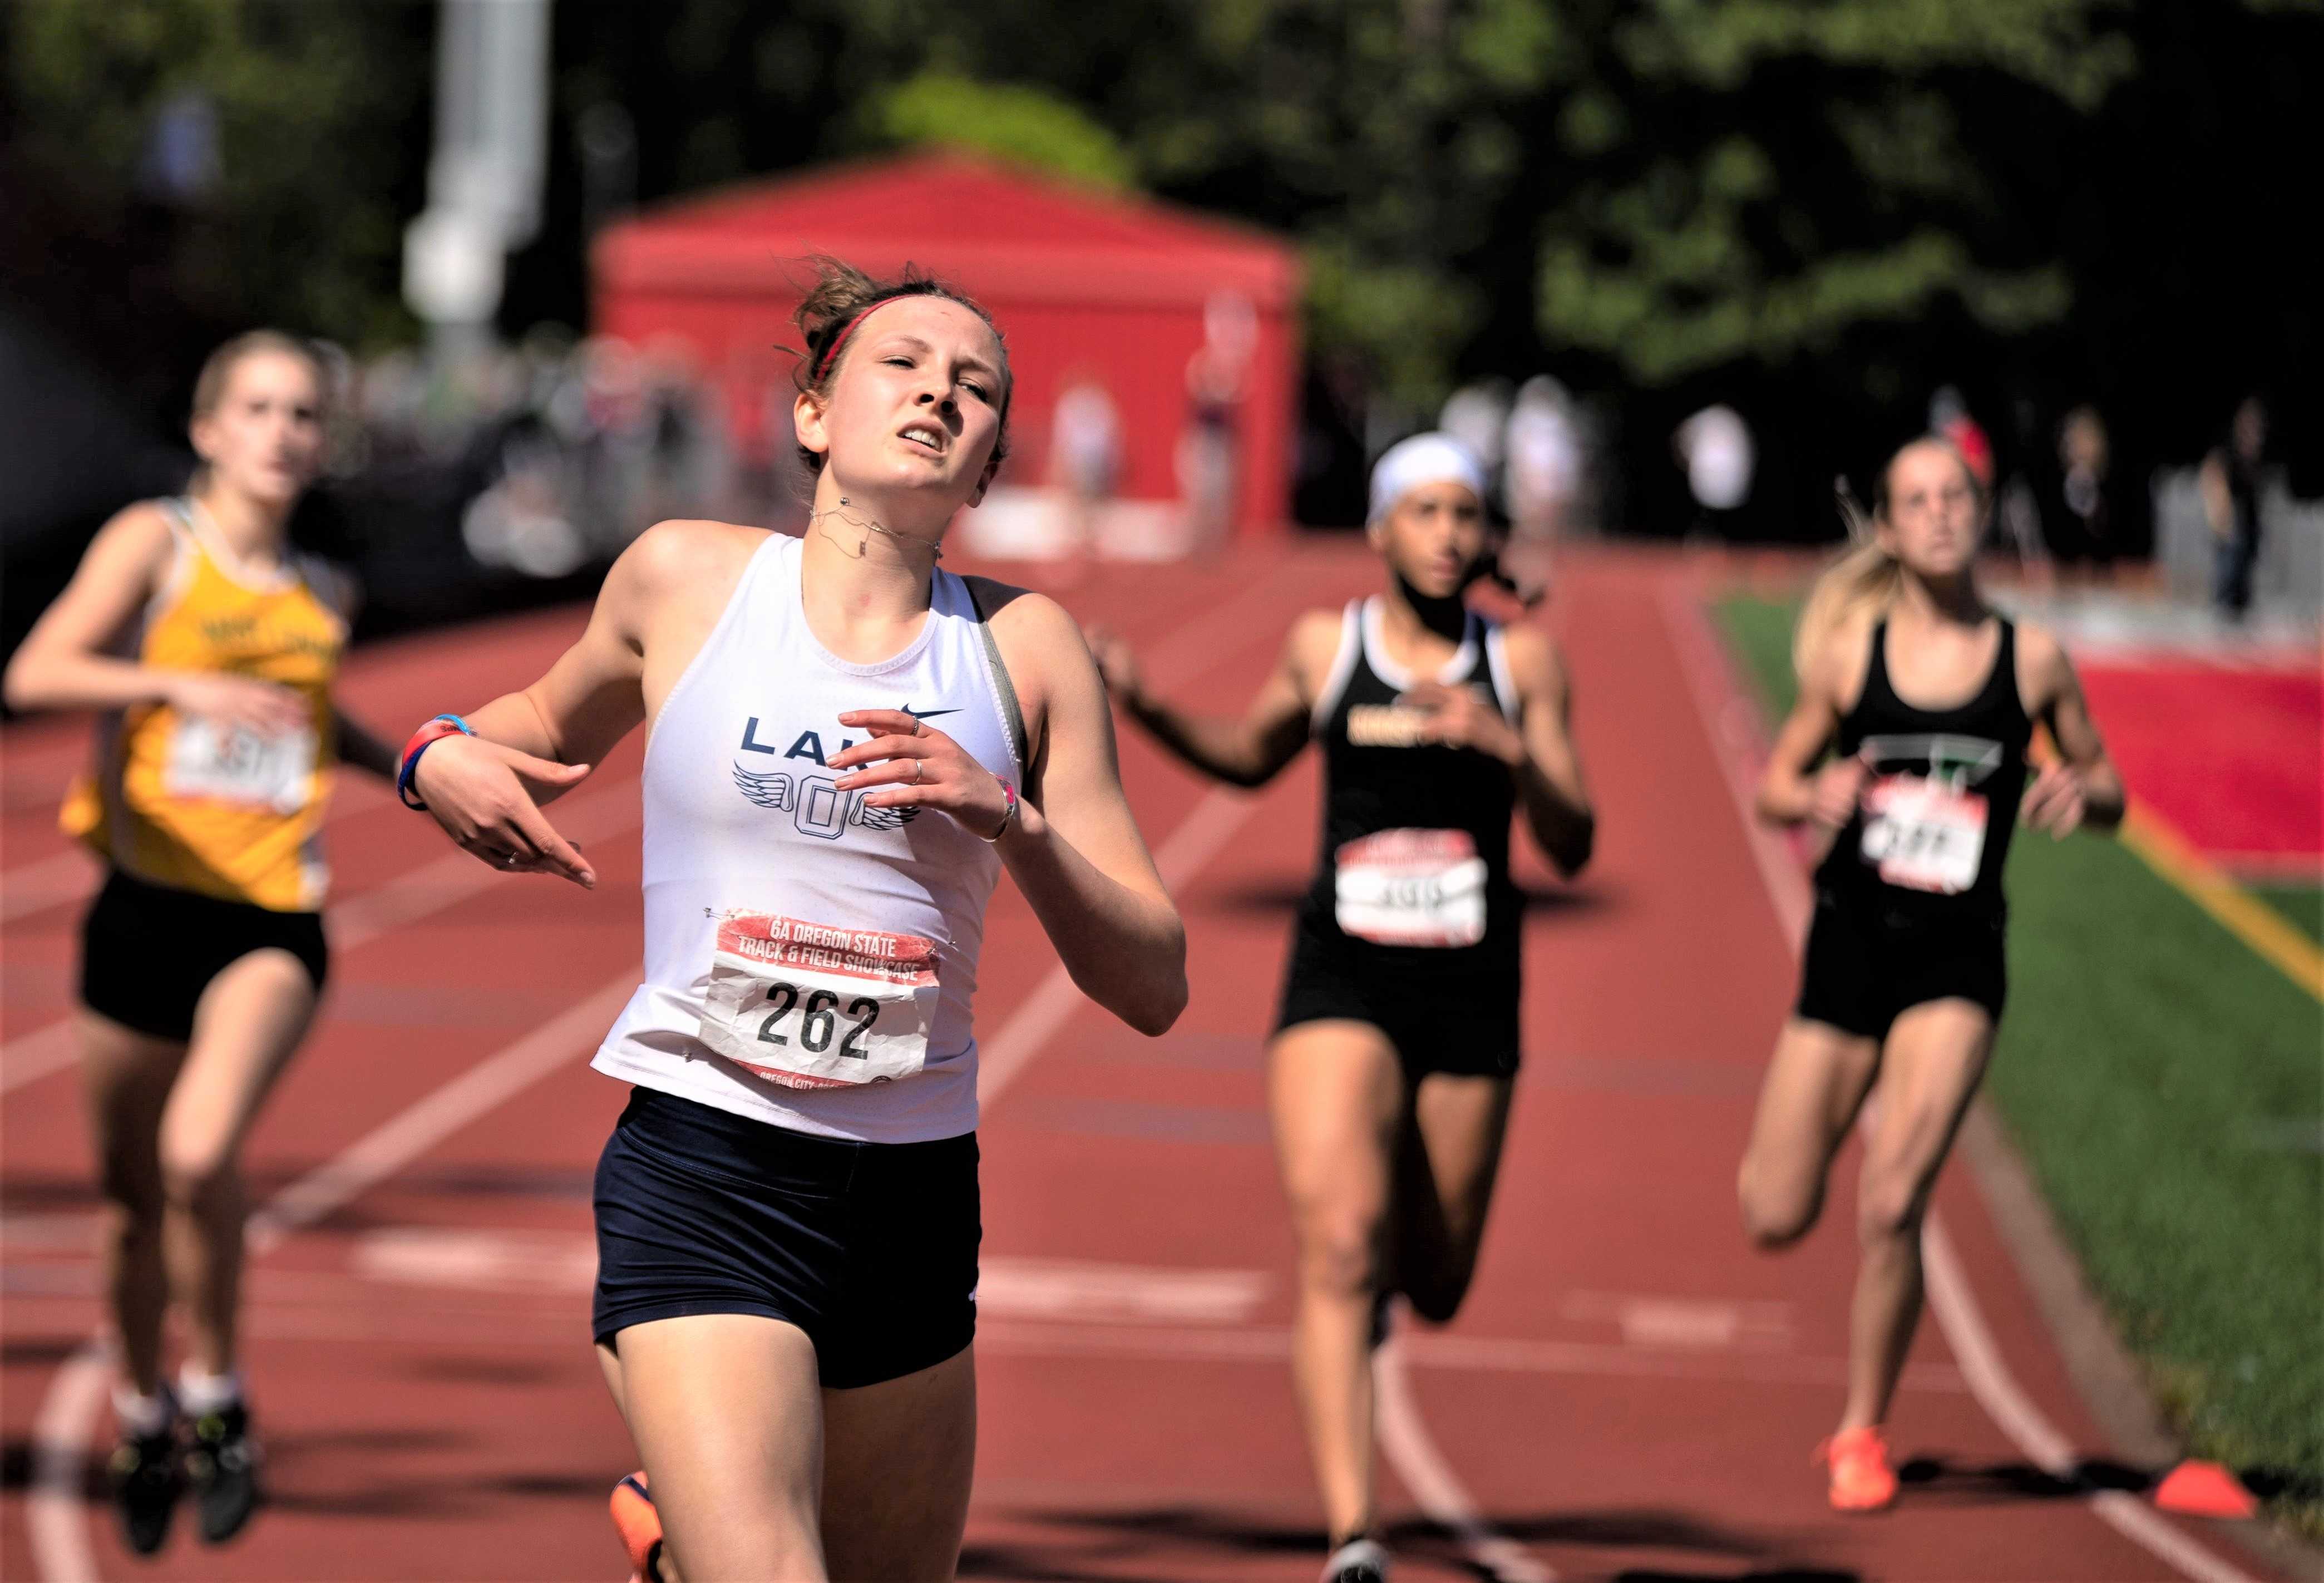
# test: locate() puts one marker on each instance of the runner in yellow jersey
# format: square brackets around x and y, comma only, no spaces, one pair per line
[210,650]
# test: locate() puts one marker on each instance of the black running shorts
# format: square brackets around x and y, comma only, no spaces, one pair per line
[147,952]
[870,1248]
[1866,965]
[1463,1021]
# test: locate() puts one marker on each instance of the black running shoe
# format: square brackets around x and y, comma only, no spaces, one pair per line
[222,1464]
[1359,1560]
[146,1484]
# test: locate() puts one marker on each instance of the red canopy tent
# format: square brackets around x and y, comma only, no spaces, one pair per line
[1079,281]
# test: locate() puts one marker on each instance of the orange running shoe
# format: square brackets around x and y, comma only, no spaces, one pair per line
[1861,1478]
[640,1526]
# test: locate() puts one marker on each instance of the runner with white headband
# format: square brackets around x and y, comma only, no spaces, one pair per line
[1396,1044]
[847,744]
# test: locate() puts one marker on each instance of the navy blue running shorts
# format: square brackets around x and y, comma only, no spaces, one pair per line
[870,1248]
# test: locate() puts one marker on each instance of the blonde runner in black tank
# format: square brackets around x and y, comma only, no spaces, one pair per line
[1412,921]
[1909,904]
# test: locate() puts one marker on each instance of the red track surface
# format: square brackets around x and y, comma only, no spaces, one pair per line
[1629,1393]
[2229,756]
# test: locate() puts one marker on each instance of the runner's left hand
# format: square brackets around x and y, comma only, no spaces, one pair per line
[1461,717]
[913,765]
[2053,802]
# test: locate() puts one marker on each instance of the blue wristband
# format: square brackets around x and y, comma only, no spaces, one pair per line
[404,792]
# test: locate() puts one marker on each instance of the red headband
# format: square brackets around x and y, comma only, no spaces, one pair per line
[831,353]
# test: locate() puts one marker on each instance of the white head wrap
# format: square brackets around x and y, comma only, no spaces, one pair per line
[1424,458]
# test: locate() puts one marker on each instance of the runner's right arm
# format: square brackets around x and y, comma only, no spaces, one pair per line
[62,663]
[1791,789]
[534,745]
[1248,751]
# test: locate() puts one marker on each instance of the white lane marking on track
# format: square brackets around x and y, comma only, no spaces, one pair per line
[72,874]
[1403,1441]
[436,884]
[46,882]
[58,1522]
[1198,838]
[1950,1296]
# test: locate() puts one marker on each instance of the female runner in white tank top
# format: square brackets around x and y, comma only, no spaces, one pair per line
[843,754]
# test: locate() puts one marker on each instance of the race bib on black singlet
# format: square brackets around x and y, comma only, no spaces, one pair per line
[812,1006]
[1923,834]
[1411,888]
[228,764]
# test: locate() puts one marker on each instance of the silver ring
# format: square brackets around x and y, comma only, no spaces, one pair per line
[918,765]
[508,860]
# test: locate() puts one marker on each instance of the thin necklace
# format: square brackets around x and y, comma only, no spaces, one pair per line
[848,513]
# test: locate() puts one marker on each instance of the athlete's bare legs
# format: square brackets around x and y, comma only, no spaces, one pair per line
[246,1026]
[1931,1067]
[1336,1093]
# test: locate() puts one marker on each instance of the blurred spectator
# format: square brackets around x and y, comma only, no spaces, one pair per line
[1714,446]
[2230,485]
[1207,460]
[2085,528]
[1085,457]
[1477,415]
[1949,418]
[1543,458]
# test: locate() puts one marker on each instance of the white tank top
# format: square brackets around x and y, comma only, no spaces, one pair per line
[810,961]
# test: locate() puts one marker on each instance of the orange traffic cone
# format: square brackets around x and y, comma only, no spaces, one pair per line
[2204,1489]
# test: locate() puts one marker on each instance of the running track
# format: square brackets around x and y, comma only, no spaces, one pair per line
[1629,1393]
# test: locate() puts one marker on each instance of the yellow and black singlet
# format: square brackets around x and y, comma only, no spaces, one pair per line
[218,810]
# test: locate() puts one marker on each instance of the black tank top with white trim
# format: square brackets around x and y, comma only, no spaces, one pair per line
[1415,865]
[1931,833]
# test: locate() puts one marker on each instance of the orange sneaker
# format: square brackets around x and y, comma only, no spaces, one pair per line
[1861,1478]
[640,1526]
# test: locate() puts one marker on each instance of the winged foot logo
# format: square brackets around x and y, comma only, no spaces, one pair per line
[817,806]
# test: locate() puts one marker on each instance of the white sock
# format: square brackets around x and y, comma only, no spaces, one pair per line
[199,1393]
[141,1415]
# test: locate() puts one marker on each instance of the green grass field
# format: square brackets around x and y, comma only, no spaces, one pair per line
[2166,1086]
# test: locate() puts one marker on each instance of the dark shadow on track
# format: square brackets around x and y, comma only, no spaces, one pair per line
[1934,1478]
[1114,1536]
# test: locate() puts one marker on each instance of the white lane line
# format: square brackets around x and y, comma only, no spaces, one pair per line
[1951,1297]
[1198,838]
[58,1519]
[1404,1441]
[71,874]
[439,883]
[51,881]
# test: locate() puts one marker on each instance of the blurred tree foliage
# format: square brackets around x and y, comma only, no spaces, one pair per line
[1815,208]
[259,157]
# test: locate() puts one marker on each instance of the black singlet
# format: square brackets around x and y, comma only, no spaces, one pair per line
[1932,832]
[1414,867]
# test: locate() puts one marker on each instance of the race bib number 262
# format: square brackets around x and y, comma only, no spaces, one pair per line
[812,1006]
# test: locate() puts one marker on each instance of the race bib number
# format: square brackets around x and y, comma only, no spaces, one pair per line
[811,1005]
[1923,834]
[228,764]
[1412,888]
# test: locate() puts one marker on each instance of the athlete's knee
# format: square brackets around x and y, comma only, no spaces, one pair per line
[1889,1207]
[199,1177]
[1774,1216]
[1339,1253]
[132,1226]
